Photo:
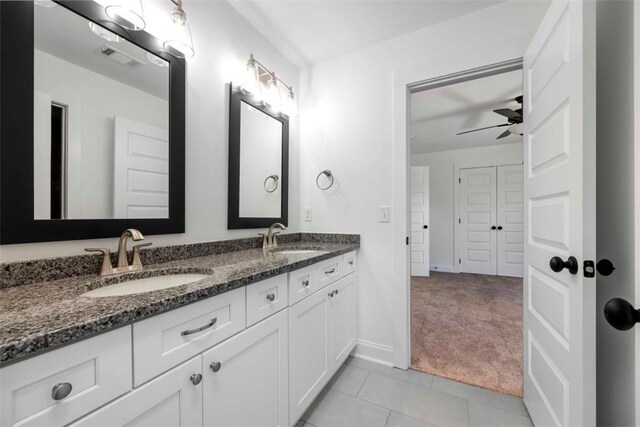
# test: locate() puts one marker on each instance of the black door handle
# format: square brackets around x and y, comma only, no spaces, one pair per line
[425,226]
[494,227]
[499,227]
[557,264]
[621,314]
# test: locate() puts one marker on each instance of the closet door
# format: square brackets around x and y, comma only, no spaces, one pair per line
[478,216]
[510,233]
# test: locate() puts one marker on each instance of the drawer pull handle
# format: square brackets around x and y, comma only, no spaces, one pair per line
[271,297]
[215,366]
[331,294]
[305,283]
[351,262]
[60,391]
[201,328]
[195,379]
[333,270]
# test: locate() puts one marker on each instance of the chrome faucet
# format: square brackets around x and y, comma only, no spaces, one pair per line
[269,240]
[123,263]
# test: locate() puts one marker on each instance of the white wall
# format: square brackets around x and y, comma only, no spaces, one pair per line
[441,198]
[223,41]
[615,209]
[93,101]
[347,126]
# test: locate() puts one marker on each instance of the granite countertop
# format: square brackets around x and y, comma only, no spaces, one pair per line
[40,316]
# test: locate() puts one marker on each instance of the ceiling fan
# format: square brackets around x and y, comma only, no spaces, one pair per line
[514,121]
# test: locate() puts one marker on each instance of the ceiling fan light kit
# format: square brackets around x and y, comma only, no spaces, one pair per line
[514,121]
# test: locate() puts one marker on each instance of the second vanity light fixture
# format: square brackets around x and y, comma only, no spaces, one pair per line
[129,14]
[264,85]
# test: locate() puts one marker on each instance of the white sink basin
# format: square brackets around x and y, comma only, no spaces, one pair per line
[147,284]
[298,251]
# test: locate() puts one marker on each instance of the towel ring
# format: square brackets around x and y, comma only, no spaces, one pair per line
[329,175]
[276,178]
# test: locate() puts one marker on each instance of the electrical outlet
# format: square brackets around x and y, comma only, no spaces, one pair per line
[307,214]
[385,214]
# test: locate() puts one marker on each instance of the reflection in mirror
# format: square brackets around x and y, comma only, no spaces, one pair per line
[260,164]
[101,119]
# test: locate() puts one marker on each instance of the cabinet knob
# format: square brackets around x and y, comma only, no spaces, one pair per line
[493,227]
[499,227]
[331,294]
[215,366]
[271,297]
[195,379]
[336,291]
[305,283]
[61,390]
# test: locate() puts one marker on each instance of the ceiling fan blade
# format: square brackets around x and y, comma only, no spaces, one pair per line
[504,134]
[510,114]
[488,127]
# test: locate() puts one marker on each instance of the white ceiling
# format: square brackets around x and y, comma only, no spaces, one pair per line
[62,33]
[438,114]
[309,31]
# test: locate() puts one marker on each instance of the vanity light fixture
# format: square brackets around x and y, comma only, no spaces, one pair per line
[179,43]
[264,85]
[155,60]
[126,13]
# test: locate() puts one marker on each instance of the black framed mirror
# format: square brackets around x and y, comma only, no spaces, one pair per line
[258,163]
[92,133]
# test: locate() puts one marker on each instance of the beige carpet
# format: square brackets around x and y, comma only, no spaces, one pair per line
[468,327]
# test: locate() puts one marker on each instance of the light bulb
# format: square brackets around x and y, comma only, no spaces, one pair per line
[126,13]
[179,43]
[289,106]
[250,81]
[273,94]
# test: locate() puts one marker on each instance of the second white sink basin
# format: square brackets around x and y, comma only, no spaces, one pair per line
[148,284]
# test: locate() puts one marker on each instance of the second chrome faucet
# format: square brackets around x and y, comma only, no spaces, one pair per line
[122,265]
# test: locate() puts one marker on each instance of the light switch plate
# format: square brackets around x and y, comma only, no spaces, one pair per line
[307,214]
[385,214]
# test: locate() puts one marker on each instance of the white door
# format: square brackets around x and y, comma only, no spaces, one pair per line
[141,170]
[419,221]
[559,162]
[309,361]
[342,317]
[171,400]
[250,385]
[478,220]
[510,233]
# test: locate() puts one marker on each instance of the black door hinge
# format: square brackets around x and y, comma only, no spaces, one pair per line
[459,180]
[407,240]
[459,261]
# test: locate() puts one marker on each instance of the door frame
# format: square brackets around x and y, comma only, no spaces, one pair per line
[471,164]
[409,80]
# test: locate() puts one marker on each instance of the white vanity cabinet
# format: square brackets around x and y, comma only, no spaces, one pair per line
[322,333]
[253,356]
[246,379]
[60,386]
[173,399]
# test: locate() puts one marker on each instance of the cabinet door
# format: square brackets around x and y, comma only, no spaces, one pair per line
[246,378]
[171,400]
[511,219]
[342,320]
[308,351]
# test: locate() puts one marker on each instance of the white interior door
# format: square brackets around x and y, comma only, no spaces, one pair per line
[559,147]
[478,220]
[141,170]
[419,221]
[510,233]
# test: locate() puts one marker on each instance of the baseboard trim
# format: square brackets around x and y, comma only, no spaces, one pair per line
[444,268]
[374,352]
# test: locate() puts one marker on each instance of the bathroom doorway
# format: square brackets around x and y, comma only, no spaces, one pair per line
[466,309]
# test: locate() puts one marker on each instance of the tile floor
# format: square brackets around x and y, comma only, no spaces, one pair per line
[364,393]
